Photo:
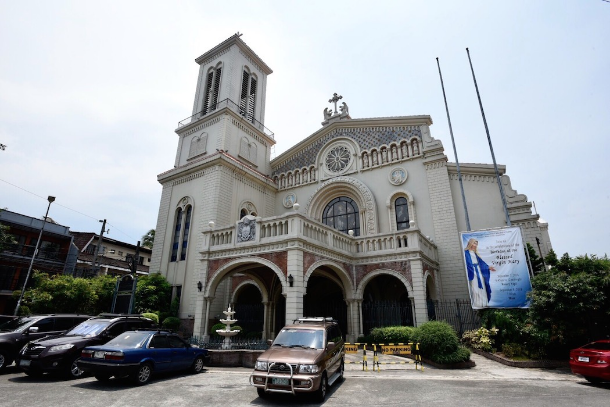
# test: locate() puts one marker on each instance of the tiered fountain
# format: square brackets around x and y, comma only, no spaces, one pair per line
[227,332]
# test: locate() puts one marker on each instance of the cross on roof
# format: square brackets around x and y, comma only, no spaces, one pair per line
[334,100]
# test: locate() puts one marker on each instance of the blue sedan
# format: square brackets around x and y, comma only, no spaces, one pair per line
[138,354]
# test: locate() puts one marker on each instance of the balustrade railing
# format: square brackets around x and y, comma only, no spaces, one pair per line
[235,108]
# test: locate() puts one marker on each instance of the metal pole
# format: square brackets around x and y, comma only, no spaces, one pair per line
[27,276]
[134,270]
[97,249]
[489,141]
[454,149]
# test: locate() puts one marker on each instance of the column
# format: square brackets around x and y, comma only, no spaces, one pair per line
[294,294]
[419,293]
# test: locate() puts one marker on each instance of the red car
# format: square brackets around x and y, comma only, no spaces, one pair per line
[592,361]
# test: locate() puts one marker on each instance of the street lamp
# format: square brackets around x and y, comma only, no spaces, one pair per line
[27,276]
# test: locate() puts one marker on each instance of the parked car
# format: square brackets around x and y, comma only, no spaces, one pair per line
[136,355]
[6,318]
[592,361]
[17,332]
[58,354]
[305,357]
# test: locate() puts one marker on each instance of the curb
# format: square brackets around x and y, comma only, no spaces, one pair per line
[545,364]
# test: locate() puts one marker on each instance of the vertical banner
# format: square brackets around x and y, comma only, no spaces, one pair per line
[496,268]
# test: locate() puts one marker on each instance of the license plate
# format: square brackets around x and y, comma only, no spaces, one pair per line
[98,354]
[280,382]
[583,359]
[24,362]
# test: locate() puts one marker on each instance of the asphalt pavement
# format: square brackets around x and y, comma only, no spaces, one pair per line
[489,383]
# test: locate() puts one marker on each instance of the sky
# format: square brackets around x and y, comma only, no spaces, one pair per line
[91,94]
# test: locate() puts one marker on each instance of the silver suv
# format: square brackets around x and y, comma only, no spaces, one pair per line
[305,357]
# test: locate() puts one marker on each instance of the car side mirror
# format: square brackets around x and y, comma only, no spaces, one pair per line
[269,342]
[32,329]
[330,345]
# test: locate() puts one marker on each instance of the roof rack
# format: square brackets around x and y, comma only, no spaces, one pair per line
[314,320]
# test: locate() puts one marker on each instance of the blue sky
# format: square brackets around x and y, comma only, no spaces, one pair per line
[91,93]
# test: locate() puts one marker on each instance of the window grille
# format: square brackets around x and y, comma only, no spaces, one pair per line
[401,207]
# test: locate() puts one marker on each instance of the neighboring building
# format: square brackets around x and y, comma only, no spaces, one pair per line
[359,221]
[113,258]
[56,254]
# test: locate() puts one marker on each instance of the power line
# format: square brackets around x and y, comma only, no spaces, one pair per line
[66,207]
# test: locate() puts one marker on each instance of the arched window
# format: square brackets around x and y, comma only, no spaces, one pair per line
[212,88]
[176,241]
[247,99]
[401,207]
[187,227]
[342,214]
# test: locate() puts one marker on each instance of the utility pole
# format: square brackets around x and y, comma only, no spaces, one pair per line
[27,276]
[134,269]
[97,249]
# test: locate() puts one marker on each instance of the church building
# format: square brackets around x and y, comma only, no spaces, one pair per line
[359,220]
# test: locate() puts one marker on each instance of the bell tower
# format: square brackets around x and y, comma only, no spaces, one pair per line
[232,80]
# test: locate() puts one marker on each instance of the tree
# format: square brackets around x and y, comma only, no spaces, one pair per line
[6,238]
[537,263]
[571,301]
[148,239]
[153,293]
[67,294]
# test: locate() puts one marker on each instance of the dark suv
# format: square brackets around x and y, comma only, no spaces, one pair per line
[59,354]
[305,357]
[19,331]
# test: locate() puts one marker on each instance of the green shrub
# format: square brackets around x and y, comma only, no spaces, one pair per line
[510,350]
[392,334]
[481,338]
[172,323]
[461,354]
[151,315]
[437,340]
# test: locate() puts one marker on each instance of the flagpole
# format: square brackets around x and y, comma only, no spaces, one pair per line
[454,149]
[489,140]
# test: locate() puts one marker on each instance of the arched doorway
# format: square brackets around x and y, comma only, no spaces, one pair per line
[249,306]
[386,302]
[325,299]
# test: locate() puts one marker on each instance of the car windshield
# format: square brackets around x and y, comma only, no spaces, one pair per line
[18,325]
[597,346]
[306,338]
[130,340]
[89,328]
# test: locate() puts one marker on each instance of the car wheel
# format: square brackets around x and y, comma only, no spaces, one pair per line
[101,377]
[261,393]
[591,379]
[197,366]
[4,360]
[320,394]
[142,375]
[72,371]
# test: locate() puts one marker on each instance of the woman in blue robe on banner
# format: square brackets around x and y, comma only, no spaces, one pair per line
[478,276]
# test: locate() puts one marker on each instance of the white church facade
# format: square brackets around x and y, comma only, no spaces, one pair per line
[358,221]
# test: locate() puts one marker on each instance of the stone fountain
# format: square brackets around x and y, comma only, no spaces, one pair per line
[227,332]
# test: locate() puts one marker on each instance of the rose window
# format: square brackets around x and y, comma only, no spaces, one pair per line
[337,159]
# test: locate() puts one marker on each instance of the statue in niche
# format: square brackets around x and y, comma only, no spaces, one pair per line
[384,155]
[374,154]
[365,160]
[404,149]
[415,146]
[394,153]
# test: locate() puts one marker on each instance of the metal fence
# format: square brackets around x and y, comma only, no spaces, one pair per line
[457,313]
[236,343]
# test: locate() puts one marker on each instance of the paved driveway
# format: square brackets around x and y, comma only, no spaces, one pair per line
[487,384]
